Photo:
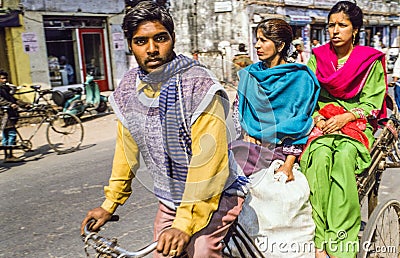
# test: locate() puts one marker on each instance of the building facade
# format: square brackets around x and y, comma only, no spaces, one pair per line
[58,43]
[214,28]
[42,41]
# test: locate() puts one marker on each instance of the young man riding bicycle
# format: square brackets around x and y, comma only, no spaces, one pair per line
[172,111]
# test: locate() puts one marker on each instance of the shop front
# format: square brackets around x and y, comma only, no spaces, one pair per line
[76,47]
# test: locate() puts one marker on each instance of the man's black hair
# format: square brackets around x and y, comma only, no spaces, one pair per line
[3,73]
[146,11]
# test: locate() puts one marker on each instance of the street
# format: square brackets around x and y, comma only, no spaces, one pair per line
[45,198]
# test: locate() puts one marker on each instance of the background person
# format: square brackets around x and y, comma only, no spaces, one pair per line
[9,132]
[300,55]
[395,78]
[92,68]
[239,61]
[167,102]
[68,68]
[353,88]
[315,43]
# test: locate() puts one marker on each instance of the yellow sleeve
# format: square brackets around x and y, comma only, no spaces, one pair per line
[125,164]
[208,170]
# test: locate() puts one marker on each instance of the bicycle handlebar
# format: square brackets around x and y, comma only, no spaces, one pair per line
[109,247]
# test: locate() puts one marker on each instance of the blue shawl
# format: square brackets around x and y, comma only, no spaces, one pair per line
[276,104]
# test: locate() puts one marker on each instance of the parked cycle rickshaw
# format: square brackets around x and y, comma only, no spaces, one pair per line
[379,238]
[64,132]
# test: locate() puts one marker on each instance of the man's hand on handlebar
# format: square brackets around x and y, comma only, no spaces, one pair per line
[100,215]
[172,242]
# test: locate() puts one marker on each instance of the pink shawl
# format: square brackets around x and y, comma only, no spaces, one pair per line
[348,81]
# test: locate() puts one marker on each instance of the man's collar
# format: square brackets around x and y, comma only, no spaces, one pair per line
[143,85]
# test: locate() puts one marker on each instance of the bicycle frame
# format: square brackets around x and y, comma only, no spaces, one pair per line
[44,119]
[245,246]
[38,93]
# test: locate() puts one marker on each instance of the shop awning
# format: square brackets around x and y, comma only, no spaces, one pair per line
[10,19]
[372,22]
[274,15]
[300,20]
[396,22]
[318,19]
[384,22]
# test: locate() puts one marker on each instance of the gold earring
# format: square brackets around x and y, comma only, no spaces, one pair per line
[280,50]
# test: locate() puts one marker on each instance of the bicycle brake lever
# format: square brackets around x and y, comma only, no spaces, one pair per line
[114,218]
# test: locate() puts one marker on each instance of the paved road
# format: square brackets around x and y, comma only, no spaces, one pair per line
[45,198]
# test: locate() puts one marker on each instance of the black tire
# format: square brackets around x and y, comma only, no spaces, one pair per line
[102,107]
[65,133]
[381,236]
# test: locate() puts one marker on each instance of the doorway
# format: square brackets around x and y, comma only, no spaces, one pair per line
[75,47]
[93,56]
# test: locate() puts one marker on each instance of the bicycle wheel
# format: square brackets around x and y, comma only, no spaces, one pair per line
[64,133]
[381,235]
[102,107]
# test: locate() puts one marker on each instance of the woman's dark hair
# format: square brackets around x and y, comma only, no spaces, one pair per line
[354,13]
[279,31]
[146,11]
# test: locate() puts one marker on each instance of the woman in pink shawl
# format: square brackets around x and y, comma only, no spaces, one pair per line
[353,87]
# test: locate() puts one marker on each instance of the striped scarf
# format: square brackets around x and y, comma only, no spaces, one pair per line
[175,125]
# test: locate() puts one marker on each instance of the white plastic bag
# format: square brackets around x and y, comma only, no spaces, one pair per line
[277,215]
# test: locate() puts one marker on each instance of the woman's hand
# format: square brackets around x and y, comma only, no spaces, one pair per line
[287,167]
[321,124]
[335,123]
[287,170]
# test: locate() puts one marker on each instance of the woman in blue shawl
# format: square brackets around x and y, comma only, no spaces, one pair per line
[274,104]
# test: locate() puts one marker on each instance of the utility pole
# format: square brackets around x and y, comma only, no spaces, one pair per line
[194,44]
[196,37]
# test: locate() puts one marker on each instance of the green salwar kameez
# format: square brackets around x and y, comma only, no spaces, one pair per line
[330,163]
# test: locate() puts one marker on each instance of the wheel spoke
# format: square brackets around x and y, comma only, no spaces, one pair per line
[382,231]
[65,133]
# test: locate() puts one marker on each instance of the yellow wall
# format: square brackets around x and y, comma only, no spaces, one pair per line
[20,72]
